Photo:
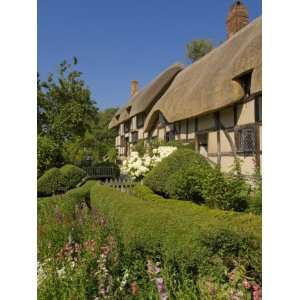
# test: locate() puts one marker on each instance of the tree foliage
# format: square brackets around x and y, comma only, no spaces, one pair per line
[65,107]
[48,154]
[70,127]
[97,144]
[197,49]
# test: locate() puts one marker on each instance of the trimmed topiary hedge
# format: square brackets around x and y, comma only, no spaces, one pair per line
[186,175]
[179,160]
[194,238]
[72,174]
[51,182]
[145,193]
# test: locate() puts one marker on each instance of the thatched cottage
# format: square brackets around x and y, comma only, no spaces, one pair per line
[215,103]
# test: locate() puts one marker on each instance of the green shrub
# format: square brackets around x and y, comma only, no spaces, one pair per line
[174,230]
[187,175]
[255,198]
[51,182]
[143,192]
[73,175]
[48,154]
[179,160]
[140,148]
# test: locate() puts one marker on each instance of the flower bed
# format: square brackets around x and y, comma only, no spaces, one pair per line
[190,240]
[125,247]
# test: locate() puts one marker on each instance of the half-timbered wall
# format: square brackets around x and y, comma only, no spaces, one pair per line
[214,134]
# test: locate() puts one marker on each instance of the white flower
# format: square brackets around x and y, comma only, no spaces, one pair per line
[61,272]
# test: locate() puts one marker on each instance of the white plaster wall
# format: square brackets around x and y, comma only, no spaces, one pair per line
[121,129]
[203,151]
[214,159]
[133,123]
[212,142]
[247,165]
[118,141]
[161,134]
[154,133]
[140,133]
[246,113]
[225,145]
[260,137]
[227,163]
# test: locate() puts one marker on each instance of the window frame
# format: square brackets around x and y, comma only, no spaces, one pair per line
[241,134]
[127,126]
[138,117]
[136,135]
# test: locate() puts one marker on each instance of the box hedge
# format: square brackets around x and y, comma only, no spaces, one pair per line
[180,159]
[187,175]
[175,230]
[72,174]
[51,182]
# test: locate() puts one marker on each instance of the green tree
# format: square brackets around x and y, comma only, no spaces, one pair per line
[48,154]
[197,49]
[65,108]
[97,144]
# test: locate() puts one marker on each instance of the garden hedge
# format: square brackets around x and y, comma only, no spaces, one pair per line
[186,175]
[181,232]
[179,160]
[51,182]
[72,174]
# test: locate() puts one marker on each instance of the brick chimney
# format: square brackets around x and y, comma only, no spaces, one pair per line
[134,87]
[237,18]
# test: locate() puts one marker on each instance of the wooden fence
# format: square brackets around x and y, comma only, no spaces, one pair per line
[101,172]
[122,185]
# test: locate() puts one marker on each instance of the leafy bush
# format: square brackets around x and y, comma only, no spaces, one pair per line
[186,236]
[48,154]
[51,182]
[180,159]
[72,174]
[188,176]
[143,192]
[255,199]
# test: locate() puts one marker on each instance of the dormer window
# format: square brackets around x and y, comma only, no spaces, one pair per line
[117,116]
[128,109]
[245,81]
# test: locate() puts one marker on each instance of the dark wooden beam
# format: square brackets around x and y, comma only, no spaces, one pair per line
[187,130]
[257,146]
[217,124]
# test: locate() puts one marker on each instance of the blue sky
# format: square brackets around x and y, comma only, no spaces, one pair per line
[117,41]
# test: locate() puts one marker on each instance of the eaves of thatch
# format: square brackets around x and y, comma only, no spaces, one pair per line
[147,96]
[209,84]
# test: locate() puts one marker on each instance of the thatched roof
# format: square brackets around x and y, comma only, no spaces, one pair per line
[147,96]
[208,84]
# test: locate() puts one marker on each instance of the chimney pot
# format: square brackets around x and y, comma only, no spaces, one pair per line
[237,18]
[134,87]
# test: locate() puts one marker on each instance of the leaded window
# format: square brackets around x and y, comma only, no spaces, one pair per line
[134,137]
[140,120]
[127,126]
[245,140]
